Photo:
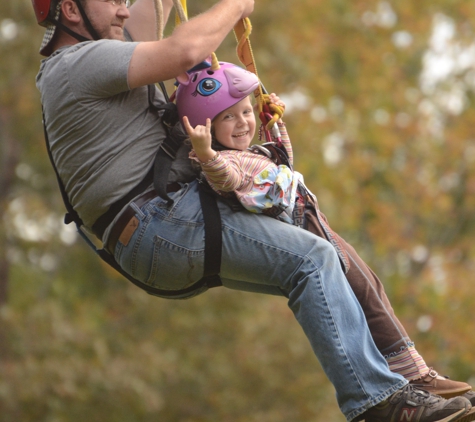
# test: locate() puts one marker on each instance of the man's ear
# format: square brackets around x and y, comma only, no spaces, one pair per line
[70,11]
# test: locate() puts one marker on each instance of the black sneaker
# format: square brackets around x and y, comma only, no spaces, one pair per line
[470,415]
[470,395]
[413,405]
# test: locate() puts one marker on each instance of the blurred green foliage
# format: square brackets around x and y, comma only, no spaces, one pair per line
[380,110]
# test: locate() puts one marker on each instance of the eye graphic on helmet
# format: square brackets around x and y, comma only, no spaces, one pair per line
[207,87]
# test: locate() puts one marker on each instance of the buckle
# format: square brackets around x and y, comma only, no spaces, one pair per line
[169,150]
[260,149]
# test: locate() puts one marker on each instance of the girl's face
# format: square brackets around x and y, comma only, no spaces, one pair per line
[235,127]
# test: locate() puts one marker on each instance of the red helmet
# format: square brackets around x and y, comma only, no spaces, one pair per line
[48,15]
[43,10]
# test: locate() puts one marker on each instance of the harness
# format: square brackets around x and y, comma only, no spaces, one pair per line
[158,175]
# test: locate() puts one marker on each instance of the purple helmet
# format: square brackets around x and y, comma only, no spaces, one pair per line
[207,92]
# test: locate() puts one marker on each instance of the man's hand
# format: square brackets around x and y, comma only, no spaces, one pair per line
[189,44]
[142,25]
[201,139]
[248,8]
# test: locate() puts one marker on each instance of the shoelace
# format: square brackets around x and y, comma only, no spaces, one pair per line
[416,395]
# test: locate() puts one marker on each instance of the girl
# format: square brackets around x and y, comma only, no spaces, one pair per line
[218,116]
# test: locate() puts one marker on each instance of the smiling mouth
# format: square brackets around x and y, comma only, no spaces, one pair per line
[240,135]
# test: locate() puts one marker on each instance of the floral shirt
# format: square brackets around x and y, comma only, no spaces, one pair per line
[258,183]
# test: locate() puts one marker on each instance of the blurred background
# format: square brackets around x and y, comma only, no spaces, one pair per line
[381,113]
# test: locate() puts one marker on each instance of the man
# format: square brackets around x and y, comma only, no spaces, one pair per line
[104,131]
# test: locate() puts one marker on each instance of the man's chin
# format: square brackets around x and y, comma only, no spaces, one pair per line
[117,37]
[117,34]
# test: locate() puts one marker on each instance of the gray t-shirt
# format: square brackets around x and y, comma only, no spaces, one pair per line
[103,136]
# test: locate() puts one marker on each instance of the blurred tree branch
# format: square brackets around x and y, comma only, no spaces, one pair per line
[9,159]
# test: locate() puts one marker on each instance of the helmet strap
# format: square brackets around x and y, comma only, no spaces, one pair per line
[87,22]
[73,34]
[218,146]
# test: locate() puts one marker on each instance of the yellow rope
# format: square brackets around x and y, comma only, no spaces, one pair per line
[242,30]
[181,15]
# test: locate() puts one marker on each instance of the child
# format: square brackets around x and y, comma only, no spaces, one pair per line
[218,116]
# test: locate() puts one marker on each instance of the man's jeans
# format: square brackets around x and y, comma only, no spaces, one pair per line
[261,254]
[388,333]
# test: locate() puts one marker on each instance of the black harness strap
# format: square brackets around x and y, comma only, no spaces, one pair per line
[64,28]
[71,214]
[213,236]
[162,165]
[166,154]
[164,158]
[159,174]
[87,22]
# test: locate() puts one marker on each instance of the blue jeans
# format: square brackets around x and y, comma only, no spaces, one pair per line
[261,254]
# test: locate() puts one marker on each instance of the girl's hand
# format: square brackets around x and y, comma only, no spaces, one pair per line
[201,139]
[277,107]
[276,100]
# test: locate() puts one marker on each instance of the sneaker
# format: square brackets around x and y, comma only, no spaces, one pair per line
[442,386]
[470,395]
[413,405]
[470,415]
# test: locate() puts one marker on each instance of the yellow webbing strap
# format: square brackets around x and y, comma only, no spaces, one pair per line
[181,15]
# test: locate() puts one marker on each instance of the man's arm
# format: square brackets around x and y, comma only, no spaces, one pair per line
[142,25]
[189,44]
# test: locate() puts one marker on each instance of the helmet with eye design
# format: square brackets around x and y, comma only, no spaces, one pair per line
[204,93]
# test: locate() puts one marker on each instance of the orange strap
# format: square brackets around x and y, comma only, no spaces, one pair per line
[242,30]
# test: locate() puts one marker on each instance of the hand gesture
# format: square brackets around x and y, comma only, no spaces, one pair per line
[200,137]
